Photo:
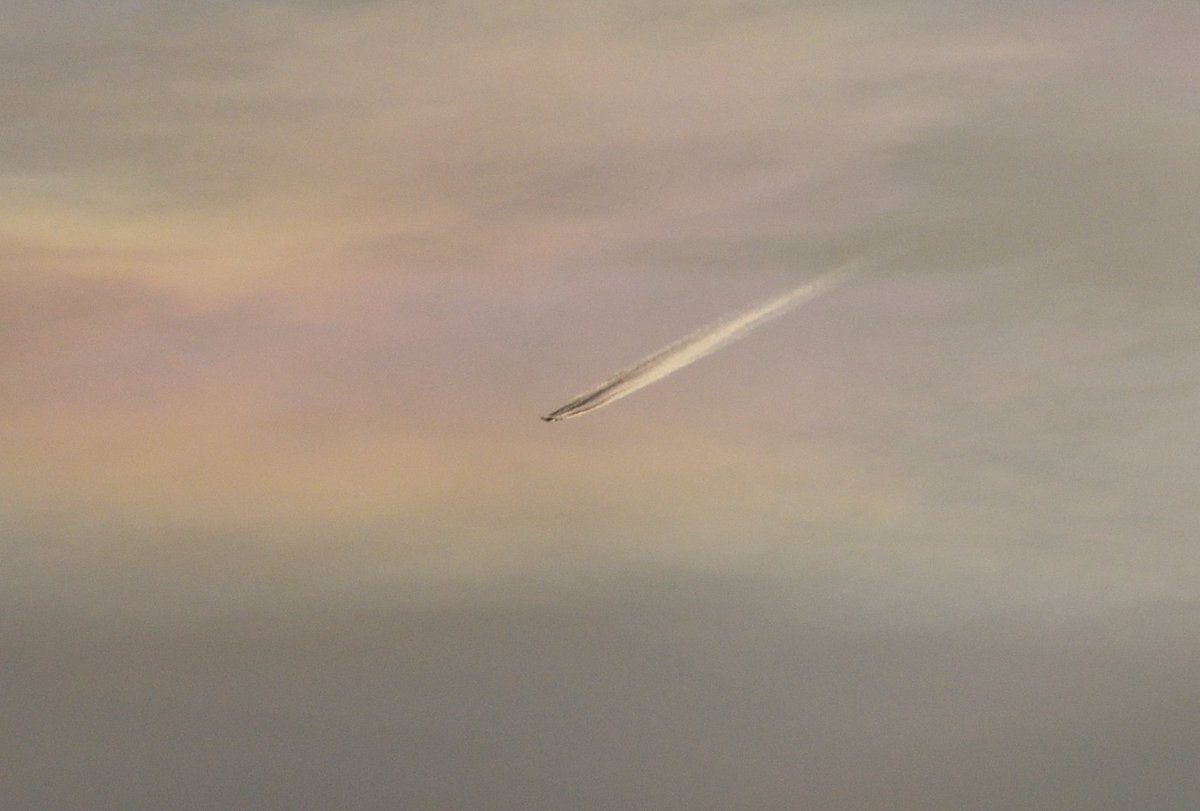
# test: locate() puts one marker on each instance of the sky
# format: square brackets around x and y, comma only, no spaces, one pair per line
[284,287]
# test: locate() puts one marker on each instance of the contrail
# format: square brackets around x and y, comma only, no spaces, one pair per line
[693,347]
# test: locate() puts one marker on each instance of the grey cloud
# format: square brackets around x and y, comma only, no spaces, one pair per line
[676,693]
[948,517]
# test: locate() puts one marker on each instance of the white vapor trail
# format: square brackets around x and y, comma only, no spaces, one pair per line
[693,347]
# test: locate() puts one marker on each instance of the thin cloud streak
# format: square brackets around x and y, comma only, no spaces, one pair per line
[697,345]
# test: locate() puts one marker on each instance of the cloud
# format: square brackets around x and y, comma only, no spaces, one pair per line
[677,689]
[238,140]
[932,542]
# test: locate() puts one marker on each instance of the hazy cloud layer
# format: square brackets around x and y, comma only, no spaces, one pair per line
[284,287]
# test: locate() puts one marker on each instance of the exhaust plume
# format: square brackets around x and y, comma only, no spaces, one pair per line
[693,347]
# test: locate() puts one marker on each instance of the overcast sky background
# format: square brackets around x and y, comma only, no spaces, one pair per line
[285,286]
